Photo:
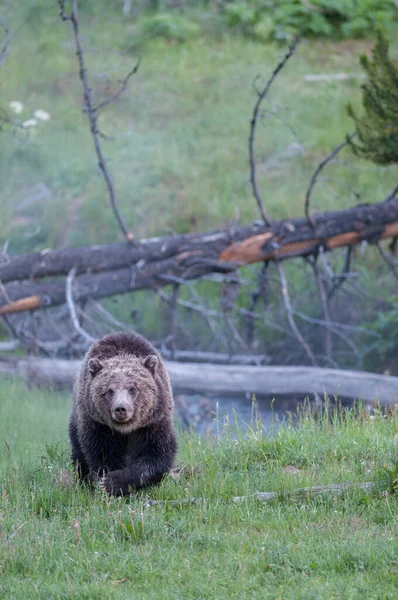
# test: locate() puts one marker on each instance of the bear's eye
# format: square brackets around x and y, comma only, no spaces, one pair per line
[110,393]
[132,391]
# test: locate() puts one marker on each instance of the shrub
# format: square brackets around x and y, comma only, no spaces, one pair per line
[279,19]
[378,129]
[169,26]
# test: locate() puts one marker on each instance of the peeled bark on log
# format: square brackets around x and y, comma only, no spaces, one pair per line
[121,268]
[232,380]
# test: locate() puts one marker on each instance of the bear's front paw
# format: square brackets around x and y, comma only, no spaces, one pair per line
[115,483]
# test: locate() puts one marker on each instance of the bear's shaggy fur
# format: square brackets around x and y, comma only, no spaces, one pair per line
[121,427]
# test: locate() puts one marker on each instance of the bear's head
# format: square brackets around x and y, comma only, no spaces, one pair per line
[123,391]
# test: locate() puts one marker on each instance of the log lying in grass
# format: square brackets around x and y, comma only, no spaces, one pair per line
[231,379]
[333,489]
[120,268]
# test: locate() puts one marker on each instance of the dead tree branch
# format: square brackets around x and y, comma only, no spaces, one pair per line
[342,277]
[326,312]
[253,123]
[389,261]
[121,90]
[6,48]
[218,251]
[72,307]
[290,315]
[106,270]
[318,170]
[91,111]
[259,292]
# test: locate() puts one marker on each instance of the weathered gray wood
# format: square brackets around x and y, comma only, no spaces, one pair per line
[231,379]
[108,270]
[9,346]
[333,489]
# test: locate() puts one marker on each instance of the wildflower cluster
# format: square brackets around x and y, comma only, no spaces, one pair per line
[38,115]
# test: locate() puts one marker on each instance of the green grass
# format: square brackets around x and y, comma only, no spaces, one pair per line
[68,542]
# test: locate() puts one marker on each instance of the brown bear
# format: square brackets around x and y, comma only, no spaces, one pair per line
[121,428]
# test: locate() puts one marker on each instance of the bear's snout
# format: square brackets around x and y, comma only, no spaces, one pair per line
[122,409]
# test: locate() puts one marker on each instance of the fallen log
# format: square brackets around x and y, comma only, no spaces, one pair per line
[230,379]
[120,268]
[333,489]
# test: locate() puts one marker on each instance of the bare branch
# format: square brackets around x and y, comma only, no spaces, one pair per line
[326,310]
[342,277]
[253,123]
[389,261]
[259,292]
[318,170]
[392,195]
[120,91]
[206,313]
[290,315]
[235,333]
[72,307]
[172,302]
[109,317]
[92,116]
[336,326]
[6,48]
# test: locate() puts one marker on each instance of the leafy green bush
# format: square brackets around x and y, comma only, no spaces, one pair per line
[279,19]
[169,26]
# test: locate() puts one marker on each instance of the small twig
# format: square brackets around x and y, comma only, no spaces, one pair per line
[120,91]
[91,114]
[290,315]
[72,307]
[253,123]
[342,277]
[86,317]
[258,293]
[326,311]
[392,195]
[6,48]
[388,261]
[335,325]
[109,317]
[319,168]
[235,333]
[174,322]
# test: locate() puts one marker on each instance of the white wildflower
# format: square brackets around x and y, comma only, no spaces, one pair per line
[42,115]
[16,106]
[29,123]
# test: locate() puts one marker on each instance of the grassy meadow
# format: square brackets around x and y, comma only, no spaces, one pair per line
[177,149]
[178,137]
[61,541]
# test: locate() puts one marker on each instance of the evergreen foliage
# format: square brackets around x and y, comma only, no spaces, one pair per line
[377,129]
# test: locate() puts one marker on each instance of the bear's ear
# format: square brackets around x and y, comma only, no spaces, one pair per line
[151,362]
[94,366]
